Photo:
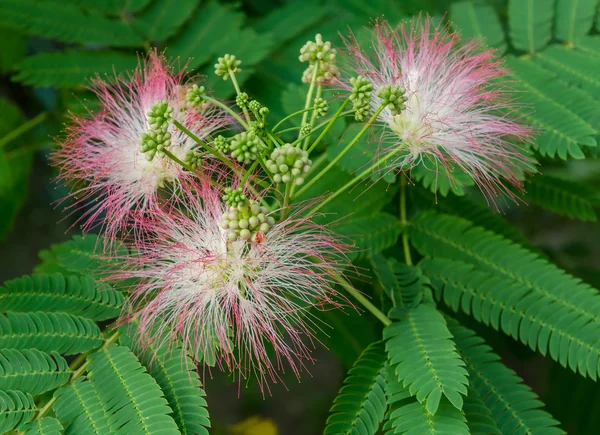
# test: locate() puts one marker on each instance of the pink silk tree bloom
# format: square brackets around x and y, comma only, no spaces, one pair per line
[103,152]
[242,303]
[457,108]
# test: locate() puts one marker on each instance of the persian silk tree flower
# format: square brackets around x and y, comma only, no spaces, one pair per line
[104,151]
[448,105]
[242,302]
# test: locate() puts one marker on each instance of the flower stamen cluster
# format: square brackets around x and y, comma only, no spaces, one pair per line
[288,164]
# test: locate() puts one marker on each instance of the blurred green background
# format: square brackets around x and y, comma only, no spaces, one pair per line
[51,48]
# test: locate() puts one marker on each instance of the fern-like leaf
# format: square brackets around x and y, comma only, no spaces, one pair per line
[402,283]
[552,299]
[361,403]
[130,396]
[292,18]
[176,375]
[515,408]
[479,416]
[16,408]
[163,18]
[370,235]
[66,23]
[59,332]
[421,349]
[530,23]
[562,197]
[72,67]
[79,410]
[44,426]
[574,19]
[406,416]
[478,20]
[589,45]
[564,132]
[32,371]
[572,66]
[80,296]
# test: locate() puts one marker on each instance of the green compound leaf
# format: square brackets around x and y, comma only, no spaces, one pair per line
[163,18]
[16,408]
[407,416]
[574,19]
[572,66]
[176,375]
[60,332]
[360,404]
[44,426]
[532,300]
[32,371]
[439,179]
[369,235]
[402,283]
[79,410]
[292,19]
[478,20]
[421,349]
[589,45]
[479,416]
[80,296]
[130,396]
[72,67]
[563,132]
[530,23]
[57,20]
[514,407]
[562,197]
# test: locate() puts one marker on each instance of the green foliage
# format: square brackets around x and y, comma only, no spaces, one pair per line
[514,407]
[370,234]
[80,296]
[32,371]
[66,23]
[44,426]
[402,283]
[164,17]
[563,131]
[407,416]
[129,395]
[479,416]
[562,197]
[425,359]
[574,19]
[79,409]
[361,403]
[447,180]
[60,332]
[72,67]
[16,408]
[478,20]
[292,18]
[175,374]
[530,23]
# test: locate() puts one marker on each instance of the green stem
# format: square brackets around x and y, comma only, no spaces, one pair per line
[249,171]
[225,108]
[176,159]
[360,298]
[313,118]
[22,129]
[290,116]
[200,142]
[331,164]
[77,374]
[352,182]
[329,125]
[238,92]
[311,89]
[404,221]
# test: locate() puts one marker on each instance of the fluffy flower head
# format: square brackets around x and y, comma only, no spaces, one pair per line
[104,151]
[243,303]
[454,114]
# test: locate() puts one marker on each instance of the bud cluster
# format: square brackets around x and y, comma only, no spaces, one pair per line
[157,138]
[227,65]
[361,97]
[194,95]
[321,107]
[322,53]
[194,159]
[246,220]
[288,164]
[235,197]
[245,148]
[221,144]
[393,97]
[242,100]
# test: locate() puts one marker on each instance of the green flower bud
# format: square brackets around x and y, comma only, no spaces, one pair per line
[242,100]
[221,144]
[227,65]
[194,95]
[287,162]
[393,97]
[360,97]
[321,107]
